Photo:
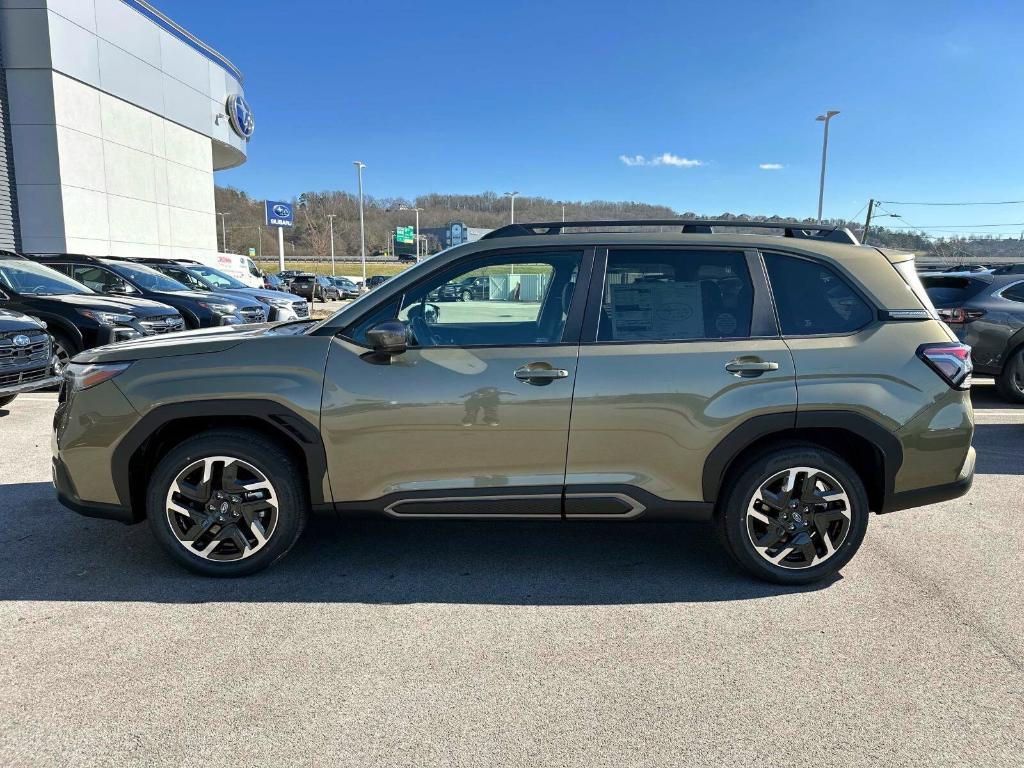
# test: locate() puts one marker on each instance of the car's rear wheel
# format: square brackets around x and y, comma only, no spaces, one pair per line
[467,295]
[227,503]
[794,514]
[1010,382]
[63,350]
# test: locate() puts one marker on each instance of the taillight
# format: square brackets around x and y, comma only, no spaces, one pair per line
[960,315]
[951,361]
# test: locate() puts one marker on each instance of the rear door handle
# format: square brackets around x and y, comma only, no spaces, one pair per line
[750,367]
[531,375]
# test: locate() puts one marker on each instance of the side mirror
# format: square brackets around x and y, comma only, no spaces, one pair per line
[390,337]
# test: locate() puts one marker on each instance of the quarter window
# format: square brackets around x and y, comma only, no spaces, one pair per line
[666,295]
[812,299]
[1014,292]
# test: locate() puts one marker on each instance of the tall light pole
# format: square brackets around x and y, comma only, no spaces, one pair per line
[362,228]
[417,238]
[824,156]
[330,217]
[512,206]
[223,232]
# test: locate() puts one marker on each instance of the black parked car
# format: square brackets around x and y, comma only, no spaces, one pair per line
[314,287]
[76,317]
[477,288]
[374,280]
[26,357]
[986,311]
[126,278]
[199,277]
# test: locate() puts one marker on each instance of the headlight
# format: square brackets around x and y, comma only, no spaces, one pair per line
[80,376]
[220,309]
[107,318]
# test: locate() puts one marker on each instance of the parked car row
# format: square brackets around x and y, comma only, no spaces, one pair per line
[53,306]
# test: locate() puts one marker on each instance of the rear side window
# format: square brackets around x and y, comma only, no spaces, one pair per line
[813,299]
[1014,293]
[667,295]
[952,291]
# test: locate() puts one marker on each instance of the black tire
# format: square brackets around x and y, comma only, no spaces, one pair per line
[263,454]
[1010,381]
[731,521]
[63,348]
[466,296]
[6,400]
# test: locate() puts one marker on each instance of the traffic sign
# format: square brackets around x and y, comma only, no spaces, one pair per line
[405,235]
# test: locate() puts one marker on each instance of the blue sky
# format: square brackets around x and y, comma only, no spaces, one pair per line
[547,98]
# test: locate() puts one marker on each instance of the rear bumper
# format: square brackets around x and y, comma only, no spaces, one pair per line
[934,494]
[68,496]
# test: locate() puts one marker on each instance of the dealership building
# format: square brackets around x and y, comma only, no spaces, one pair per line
[113,119]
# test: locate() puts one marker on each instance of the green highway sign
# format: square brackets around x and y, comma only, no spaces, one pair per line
[405,235]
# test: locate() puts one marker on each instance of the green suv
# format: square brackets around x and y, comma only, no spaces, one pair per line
[780,386]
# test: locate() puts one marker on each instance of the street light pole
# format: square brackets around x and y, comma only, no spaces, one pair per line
[824,156]
[362,227]
[330,217]
[223,232]
[512,206]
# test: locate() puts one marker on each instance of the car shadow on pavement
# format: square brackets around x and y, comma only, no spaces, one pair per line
[49,553]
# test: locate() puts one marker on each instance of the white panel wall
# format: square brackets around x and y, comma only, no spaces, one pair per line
[131,183]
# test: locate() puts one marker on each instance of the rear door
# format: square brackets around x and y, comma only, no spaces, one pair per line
[680,347]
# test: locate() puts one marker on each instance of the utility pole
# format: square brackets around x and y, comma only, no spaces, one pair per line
[362,227]
[512,206]
[331,216]
[824,155]
[223,232]
[867,221]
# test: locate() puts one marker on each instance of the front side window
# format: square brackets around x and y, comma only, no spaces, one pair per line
[516,300]
[185,278]
[812,299]
[100,279]
[675,295]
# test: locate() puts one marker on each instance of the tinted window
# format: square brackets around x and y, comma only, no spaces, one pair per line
[951,291]
[185,278]
[662,295]
[1014,292]
[148,279]
[811,298]
[27,277]
[516,301]
[100,279]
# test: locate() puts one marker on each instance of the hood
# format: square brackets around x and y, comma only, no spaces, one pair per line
[218,296]
[196,342]
[105,303]
[16,321]
[262,293]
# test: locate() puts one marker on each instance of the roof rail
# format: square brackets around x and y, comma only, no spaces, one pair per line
[795,229]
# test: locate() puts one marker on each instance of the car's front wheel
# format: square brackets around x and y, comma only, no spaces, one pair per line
[794,514]
[227,503]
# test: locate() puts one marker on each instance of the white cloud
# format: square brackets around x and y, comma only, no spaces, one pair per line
[771,166]
[665,158]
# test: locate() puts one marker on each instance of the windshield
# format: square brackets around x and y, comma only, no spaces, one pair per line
[27,277]
[215,277]
[148,279]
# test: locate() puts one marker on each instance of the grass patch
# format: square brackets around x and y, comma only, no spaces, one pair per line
[347,268]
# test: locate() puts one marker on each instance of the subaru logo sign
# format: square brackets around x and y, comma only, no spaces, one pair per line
[21,341]
[279,214]
[240,116]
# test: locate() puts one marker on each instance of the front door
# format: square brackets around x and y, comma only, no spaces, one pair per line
[473,419]
[679,349]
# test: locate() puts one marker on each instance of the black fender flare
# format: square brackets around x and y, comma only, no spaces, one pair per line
[280,419]
[750,431]
[62,325]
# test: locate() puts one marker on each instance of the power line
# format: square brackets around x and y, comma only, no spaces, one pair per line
[996,202]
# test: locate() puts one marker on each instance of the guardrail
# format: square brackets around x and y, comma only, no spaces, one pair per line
[184,35]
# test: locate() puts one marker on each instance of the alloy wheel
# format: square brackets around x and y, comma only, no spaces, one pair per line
[60,357]
[798,517]
[222,508]
[1017,371]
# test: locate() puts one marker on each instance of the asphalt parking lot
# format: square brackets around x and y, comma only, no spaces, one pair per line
[548,644]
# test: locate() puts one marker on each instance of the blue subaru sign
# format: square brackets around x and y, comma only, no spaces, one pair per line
[240,116]
[280,214]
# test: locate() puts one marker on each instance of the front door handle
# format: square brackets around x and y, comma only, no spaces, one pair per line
[750,367]
[535,374]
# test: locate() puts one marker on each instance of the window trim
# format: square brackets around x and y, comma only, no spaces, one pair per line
[762,314]
[1007,287]
[846,277]
[573,321]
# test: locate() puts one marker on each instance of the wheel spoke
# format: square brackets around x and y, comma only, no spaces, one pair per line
[774,535]
[780,556]
[201,527]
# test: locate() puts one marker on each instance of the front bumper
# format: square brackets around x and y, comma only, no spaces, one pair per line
[920,497]
[30,386]
[68,496]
